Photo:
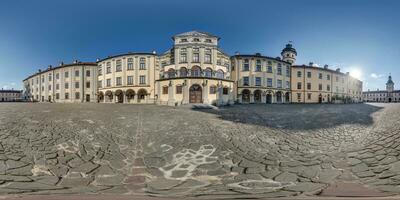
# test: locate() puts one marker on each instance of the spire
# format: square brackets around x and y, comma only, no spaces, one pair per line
[390,80]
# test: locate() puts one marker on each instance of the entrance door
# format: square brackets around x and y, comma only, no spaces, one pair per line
[390,100]
[269,98]
[195,94]
[88,98]
[320,99]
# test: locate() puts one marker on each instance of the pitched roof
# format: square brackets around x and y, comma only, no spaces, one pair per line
[195,33]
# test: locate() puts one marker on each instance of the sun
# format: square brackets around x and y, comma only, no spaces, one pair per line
[356,73]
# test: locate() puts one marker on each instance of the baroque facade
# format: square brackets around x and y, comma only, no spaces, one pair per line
[194,70]
[10,95]
[386,96]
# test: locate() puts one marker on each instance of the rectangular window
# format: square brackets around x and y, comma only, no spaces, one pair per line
[142,64]
[49,77]
[246,81]
[299,74]
[57,77]
[179,89]
[269,70]
[66,74]
[142,80]
[130,80]
[100,71]
[87,84]
[258,81]
[165,90]
[246,65]
[118,66]
[328,87]
[299,85]
[207,58]
[320,87]
[108,82]
[183,58]
[269,82]
[87,73]
[279,71]
[287,84]
[77,84]
[99,84]
[57,86]
[76,95]
[130,64]
[320,75]
[337,79]
[308,96]
[258,65]
[308,74]
[196,57]
[118,81]
[225,90]
[66,86]
[308,86]
[108,67]
[66,95]
[279,85]
[76,73]
[328,77]
[298,96]
[57,96]
[49,87]
[213,89]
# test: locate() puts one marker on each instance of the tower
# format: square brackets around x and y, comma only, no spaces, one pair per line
[389,84]
[289,53]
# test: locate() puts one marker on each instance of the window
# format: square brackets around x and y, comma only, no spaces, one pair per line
[99,84]
[269,69]
[165,90]
[299,85]
[299,74]
[118,81]
[208,40]
[337,79]
[258,65]
[196,57]
[220,74]
[183,56]
[298,96]
[246,65]
[88,84]
[142,65]
[42,88]
[320,87]
[178,89]
[207,58]
[287,84]
[308,96]
[66,74]
[246,81]
[118,66]
[225,90]
[269,82]
[279,84]
[76,95]
[196,40]
[208,72]
[49,87]
[76,73]
[142,80]
[308,86]
[49,77]
[328,77]
[108,67]
[66,96]
[87,73]
[320,75]
[196,71]
[328,87]
[183,40]
[108,82]
[213,89]
[42,79]
[258,81]
[77,84]
[57,86]
[57,96]
[288,71]
[308,74]
[130,64]
[66,86]
[57,77]
[130,80]
[100,71]
[279,69]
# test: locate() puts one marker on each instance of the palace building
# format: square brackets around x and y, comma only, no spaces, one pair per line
[10,95]
[385,96]
[194,70]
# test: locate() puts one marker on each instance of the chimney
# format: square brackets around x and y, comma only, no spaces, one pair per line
[49,67]
[237,53]
[325,66]
[310,64]
[40,70]
[75,61]
[338,69]
[258,54]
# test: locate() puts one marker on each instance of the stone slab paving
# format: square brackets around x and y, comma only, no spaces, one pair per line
[243,151]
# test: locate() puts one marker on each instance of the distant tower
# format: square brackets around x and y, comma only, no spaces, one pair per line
[389,84]
[289,53]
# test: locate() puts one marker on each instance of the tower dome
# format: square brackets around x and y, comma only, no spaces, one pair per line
[390,84]
[289,53]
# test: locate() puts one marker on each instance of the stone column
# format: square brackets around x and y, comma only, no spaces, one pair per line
[171,96]
[125,97]
[220,100]
[185,91]
[114,98]
[240,98]
[136,97]
[205,94]
[263,97]
[251,98]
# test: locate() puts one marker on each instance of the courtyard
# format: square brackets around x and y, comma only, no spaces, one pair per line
[238,151]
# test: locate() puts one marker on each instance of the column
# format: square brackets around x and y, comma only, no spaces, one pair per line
[125,98]
[240,98]
[104,98]
[205,94]
[220,100]
[114,98]
[263,97]
[252,98]
[136,98]
[171,96]
[185,92]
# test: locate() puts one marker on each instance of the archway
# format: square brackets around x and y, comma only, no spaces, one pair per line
[257,96]
[246,96]
[100,97]
[269,98]
[130,95]
[142,93]
[109,94]
[279,97]
[195,94]
[120,96]
[390,100]
[196,71]
[287,97]
[320,98]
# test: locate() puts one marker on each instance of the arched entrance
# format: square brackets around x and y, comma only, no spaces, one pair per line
[109,95]
[142,93]
[257,96]
[246,96]
[287,97]
[329,98]
[279,97]
[269,98]
[120,96]
[195,94]
[320,98]
[130,95]
[100,97]
[390,100]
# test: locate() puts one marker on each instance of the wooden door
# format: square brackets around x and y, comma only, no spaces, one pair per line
[195,94]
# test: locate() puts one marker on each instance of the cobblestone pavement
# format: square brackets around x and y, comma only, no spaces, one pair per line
[240,151]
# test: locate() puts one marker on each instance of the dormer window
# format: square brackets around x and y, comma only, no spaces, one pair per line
[196,40]
[208,41]
[184,40]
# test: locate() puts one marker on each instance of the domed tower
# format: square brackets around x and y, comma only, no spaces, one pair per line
[389,84]
[289,53]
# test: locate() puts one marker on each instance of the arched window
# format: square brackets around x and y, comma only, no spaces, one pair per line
[171,73]
[208,72]
[196,71]
[183,72]
[220,74]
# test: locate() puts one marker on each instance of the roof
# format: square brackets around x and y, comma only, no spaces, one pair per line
[127,54]
[259,56]
[319,68]
[380,91]
[62,66]
[10,91]
[289,47]
[195,33]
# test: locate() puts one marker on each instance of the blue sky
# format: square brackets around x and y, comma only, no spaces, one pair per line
[351,34]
